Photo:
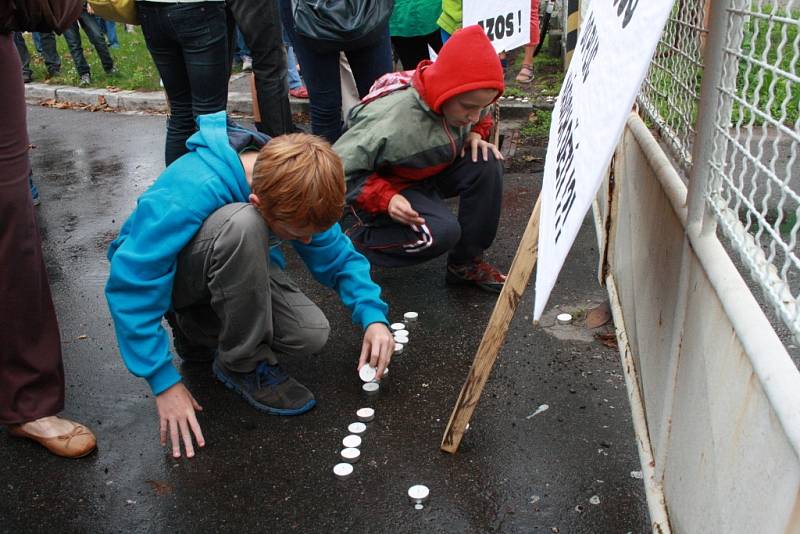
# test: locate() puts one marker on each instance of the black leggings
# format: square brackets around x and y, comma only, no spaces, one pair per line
[412,50]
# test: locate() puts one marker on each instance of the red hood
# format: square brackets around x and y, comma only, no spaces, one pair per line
[466,62]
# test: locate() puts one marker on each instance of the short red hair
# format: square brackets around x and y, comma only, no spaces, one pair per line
[299,180]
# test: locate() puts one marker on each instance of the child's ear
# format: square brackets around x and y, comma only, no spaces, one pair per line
[254,200]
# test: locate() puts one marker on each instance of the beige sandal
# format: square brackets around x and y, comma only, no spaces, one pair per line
[525,74]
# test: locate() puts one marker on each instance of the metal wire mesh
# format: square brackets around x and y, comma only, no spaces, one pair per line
[754,184]
[755,170]
[671,89]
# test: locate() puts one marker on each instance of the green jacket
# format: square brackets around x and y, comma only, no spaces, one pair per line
[412,18]
[451,17]
[395,141]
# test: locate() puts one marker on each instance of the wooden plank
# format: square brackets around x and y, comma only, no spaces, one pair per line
[495,334]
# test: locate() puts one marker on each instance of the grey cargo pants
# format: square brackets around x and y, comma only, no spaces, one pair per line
[227,295]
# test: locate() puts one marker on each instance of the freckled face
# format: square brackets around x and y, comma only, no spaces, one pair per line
[465,109]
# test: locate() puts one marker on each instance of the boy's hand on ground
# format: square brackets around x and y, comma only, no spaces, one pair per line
[176,411]
[475,143]
[401,211]
[377,348]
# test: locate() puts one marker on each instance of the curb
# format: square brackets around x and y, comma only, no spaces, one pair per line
[156,101]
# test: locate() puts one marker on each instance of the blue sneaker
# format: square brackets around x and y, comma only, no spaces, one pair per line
[34,192]
[268,389]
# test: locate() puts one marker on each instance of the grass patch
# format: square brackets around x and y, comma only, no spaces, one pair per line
[763,43]
[538,126]
[514,91]
[755,86]
[788,221]
[135,67]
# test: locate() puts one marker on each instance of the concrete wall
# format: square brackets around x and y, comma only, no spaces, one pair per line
[720,397]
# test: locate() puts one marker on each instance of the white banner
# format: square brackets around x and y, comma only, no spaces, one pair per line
[507,23]
[617,41]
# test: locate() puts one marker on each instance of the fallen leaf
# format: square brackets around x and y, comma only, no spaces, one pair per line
[161,488]
[598,316]
[83,336]
[609,339]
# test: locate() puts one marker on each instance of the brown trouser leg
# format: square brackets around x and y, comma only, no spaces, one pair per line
[31,373]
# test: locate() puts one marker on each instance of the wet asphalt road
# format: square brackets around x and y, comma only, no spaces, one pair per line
[262,473]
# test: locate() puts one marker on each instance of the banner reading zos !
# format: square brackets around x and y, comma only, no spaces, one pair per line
[507,23]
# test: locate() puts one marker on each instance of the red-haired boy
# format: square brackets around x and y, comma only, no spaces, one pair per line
[203,248]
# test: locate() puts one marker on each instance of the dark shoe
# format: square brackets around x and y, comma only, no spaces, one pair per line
[53,73]
[188,351]
[268,389]
[27,77]
[476,273]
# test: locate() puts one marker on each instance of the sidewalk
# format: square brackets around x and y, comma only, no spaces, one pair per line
[239,98]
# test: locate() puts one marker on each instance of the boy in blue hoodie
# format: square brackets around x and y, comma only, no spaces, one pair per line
[202,248]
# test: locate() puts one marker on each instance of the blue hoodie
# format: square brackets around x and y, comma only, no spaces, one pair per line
[144,255]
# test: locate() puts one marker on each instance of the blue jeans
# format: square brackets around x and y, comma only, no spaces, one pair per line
[321,74]
[89,25]
[293,77]
[109,28]
[189,45]
[241,46]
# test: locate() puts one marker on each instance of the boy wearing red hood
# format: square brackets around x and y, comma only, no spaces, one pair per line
[411,145]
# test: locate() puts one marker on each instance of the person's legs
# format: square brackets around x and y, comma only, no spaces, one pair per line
[92,29]
[50,53]
[371,62]
[167,55]
[188,43]
[24,57]
[321,74]
[111,32]
[291,68]
[388,243]
[479,186]
[243,54]
[207,59]
[73,37]
[37,41]
[227,293]
[31,372]
[261,26]
[411,50]
[526,71]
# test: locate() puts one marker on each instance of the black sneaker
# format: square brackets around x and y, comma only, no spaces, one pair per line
[27,77]
[477,273]
[268,389]
[188,351]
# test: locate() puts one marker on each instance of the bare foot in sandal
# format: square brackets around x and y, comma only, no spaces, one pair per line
[525,74]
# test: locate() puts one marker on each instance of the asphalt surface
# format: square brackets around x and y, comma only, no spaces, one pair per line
[513,473]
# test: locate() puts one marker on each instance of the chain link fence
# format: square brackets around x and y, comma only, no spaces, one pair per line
[753,187]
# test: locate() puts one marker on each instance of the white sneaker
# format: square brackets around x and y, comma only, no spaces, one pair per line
[247,64]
